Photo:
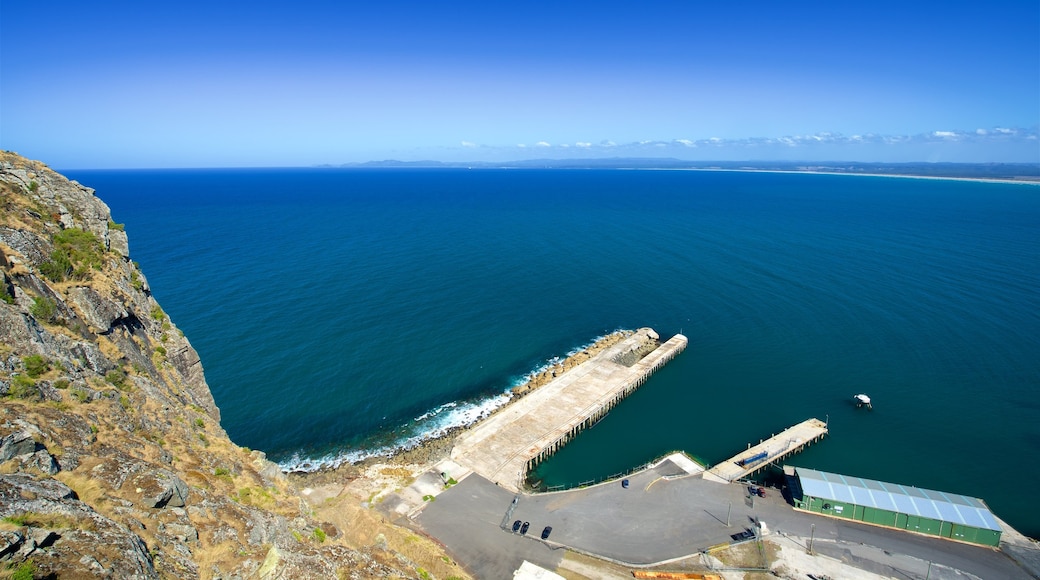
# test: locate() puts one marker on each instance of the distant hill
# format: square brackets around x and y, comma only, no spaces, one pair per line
[1006,171]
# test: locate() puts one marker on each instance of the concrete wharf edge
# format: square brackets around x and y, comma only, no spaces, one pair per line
[504,447]
[788,441]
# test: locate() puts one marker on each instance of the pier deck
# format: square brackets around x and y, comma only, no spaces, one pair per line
[789,441]
[506,445]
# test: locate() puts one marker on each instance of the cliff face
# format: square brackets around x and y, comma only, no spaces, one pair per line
[112,459]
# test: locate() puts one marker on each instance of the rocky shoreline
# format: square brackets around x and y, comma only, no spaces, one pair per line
[433,450]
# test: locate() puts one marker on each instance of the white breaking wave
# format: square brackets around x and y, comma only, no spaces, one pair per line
[430,425]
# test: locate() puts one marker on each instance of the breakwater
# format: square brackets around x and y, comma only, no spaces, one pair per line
[512,442]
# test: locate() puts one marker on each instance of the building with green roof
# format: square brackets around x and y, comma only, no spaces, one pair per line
[934,513]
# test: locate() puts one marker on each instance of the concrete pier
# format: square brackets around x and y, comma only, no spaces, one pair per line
[790,441]
[508,444]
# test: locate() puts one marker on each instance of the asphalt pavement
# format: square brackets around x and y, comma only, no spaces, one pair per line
[662,515]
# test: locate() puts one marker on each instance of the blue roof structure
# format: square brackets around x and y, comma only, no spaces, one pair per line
[937,505]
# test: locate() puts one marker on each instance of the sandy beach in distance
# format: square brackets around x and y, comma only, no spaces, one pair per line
[1030,181]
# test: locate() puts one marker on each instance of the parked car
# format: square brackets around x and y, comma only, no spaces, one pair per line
[747,534]
[516,526]
[546,532]
[523,528]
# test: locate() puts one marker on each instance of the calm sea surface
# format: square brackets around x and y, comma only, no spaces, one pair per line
[339,313]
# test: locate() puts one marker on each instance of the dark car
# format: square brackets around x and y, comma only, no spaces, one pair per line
[747,534]
[523,528]
[546,532]
[516,526]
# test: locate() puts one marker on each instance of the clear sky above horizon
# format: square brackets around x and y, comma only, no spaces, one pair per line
[223,84]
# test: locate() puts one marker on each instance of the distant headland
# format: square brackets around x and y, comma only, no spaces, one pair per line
[1008,172]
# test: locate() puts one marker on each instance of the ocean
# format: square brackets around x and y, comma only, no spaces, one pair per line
[341,313]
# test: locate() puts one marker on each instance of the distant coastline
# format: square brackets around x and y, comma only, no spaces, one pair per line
[1028,173]
[1019,181]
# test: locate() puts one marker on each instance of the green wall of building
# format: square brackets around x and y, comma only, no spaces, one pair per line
[899,521]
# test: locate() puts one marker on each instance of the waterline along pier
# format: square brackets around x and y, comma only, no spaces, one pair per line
[507,445]
[787,442]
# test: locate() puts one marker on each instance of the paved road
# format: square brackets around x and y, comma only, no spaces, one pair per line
[656,519]
[468,519]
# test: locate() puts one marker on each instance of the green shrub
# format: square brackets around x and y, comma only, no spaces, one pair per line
[117,377]
[81,395]
[114,226]
[319,535]
[135,280]
[57,268]
[4,294]
[160,350]
[61,384]
[124,402]
[200,423]
[221,471]
[43,309]
[22,387]
[75,253]
[33,186]
[35,365]
[19,519]
[27,570]
[157,313]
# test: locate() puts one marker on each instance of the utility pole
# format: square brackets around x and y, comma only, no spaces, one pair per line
[728,511]
[812,535]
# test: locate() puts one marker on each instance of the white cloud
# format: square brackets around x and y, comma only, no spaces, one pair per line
[468,144]
[1004,131]
[686,142]
[564,145]
[583,144]
[945,134]
[608,143]
[521,145]
[542,144]
[981,132]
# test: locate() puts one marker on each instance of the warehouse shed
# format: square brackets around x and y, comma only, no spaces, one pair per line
[934,513]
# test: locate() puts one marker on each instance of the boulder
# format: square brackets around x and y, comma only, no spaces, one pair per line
[183,532]
[161,489]
[15,444]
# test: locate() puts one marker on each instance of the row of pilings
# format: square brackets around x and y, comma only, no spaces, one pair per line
[602,410]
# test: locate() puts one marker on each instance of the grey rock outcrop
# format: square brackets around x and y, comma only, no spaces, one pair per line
[62,529]
[15,444]
[113,463]
[98,312]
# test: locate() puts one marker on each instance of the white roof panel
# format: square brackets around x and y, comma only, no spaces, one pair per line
[937,505]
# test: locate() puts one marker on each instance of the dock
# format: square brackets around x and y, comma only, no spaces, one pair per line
[788,442]
[507,445]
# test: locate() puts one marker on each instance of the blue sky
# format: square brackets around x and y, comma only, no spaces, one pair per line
[191,84]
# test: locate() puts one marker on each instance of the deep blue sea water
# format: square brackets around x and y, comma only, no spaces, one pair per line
[340,312]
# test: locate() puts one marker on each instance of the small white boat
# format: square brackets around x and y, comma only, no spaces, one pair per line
[862,401]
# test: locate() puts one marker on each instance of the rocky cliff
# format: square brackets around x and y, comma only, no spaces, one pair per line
[112,460]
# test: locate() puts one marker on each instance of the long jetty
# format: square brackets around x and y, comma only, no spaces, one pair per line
[507,445]
[787,442]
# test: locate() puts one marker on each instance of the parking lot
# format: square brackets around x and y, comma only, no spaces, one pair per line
[656,519]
